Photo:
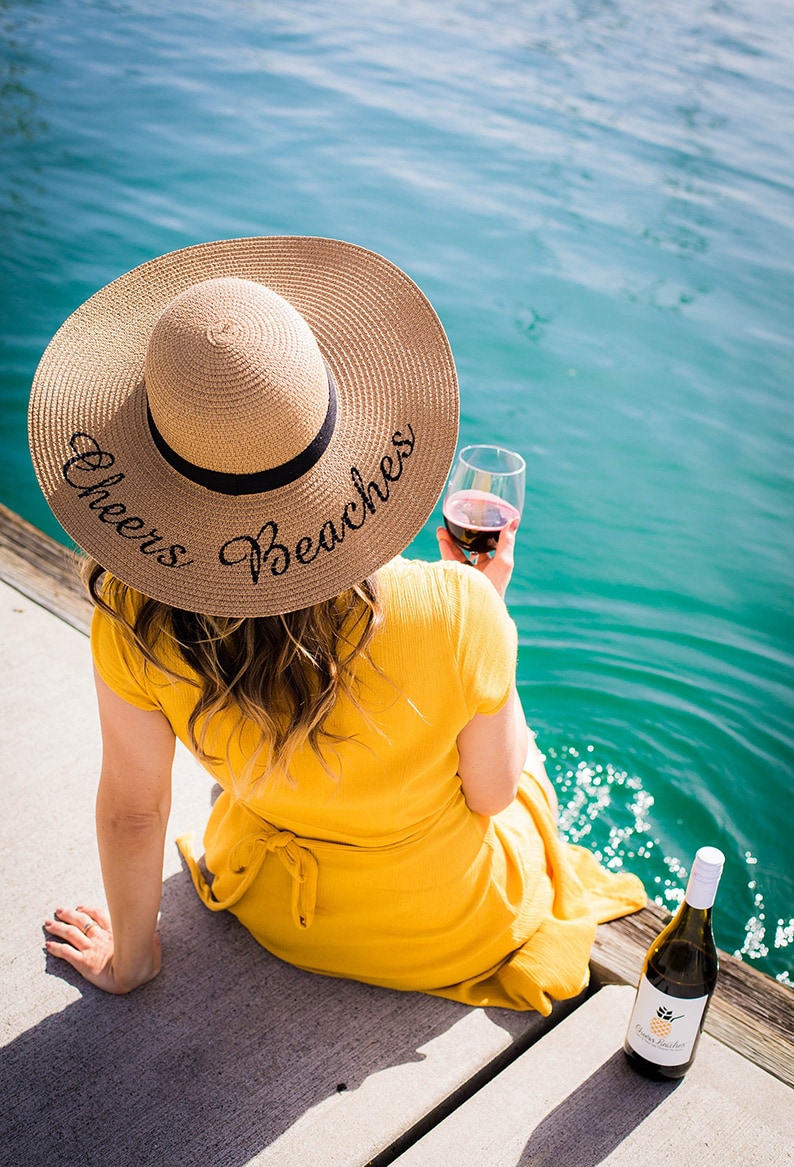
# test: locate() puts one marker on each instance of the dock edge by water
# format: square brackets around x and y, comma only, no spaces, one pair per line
[751,1013]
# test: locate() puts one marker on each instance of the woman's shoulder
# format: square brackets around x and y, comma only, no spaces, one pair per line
[444,573]
[125,621]
[442,587]
[420,575]
[448,612]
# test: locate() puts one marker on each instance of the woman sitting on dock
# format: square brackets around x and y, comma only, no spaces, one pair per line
[246,435]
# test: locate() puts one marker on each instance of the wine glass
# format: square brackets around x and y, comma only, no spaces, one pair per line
[484,492]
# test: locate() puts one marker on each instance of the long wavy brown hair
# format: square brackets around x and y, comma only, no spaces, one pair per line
[283,673]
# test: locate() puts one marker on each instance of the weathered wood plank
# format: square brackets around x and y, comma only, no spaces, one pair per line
[752,1013]
[42,569]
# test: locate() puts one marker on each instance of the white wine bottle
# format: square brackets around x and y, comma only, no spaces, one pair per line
[677,980]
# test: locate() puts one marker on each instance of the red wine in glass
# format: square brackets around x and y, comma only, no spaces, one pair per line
[474,519]
[485,491]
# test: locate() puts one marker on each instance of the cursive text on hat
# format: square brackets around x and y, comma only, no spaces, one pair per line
[264,549]
[88,459]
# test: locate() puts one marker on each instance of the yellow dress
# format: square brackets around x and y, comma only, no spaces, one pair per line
[379,871]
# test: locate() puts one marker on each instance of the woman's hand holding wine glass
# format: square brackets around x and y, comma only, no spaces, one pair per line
[482,509]
[497,568]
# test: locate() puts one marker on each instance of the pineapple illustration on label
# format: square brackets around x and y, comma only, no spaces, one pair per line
[662,1023]
[664,1028]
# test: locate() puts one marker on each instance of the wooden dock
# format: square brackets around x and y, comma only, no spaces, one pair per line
[345,1073]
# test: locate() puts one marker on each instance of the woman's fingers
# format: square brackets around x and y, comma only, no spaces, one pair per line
[82,937]
[85,932]
[71,925]
[498,568]
[448,547]
[97,914]
[68,953]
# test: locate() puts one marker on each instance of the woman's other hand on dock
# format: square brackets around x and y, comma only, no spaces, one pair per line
[83,938]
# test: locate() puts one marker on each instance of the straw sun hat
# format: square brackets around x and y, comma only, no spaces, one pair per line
[247,427]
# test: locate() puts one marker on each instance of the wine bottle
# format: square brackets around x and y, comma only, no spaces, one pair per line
[677,980]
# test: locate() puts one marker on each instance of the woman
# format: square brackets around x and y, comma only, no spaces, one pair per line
[246,435]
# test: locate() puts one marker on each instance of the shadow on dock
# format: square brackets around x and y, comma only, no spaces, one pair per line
[587,1127]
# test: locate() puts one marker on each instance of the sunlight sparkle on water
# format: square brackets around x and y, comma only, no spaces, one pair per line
[610,812]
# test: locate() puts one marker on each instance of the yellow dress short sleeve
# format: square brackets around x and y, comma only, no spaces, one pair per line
[118,663]
[485,642]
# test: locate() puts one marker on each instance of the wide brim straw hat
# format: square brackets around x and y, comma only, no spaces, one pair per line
[247,427]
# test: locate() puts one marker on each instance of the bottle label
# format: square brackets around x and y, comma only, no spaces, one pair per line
[664,1029]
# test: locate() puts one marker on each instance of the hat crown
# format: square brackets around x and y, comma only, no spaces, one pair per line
[234,377]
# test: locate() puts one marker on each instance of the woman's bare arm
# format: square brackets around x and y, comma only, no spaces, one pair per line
[492,750]
[492,747]
[133,803]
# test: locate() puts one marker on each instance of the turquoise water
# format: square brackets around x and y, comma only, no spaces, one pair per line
[597,197]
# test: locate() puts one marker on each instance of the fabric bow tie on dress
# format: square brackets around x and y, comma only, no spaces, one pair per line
[246,859]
